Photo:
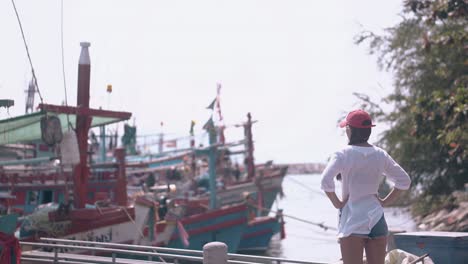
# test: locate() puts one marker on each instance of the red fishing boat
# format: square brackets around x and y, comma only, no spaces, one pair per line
[91,199]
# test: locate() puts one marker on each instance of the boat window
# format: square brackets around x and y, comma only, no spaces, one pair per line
[47,197]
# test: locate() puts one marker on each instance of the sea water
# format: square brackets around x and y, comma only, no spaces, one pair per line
[304,199]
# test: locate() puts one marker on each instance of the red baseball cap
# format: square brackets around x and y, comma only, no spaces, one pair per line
[357,118]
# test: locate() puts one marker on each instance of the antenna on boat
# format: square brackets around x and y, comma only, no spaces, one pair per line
[34,79]
[30,97]
[161,139]
[193,164]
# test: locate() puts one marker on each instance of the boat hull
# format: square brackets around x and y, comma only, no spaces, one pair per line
[257,235]
[225,225]
[270,185]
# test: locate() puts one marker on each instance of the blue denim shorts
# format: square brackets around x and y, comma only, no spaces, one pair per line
[379,230]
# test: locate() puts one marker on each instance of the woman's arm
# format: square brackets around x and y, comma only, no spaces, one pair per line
[391,197]
[327,184]
[331,170]
[396,174]
[335,200]
[399,177]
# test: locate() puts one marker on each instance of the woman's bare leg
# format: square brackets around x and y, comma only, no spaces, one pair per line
[352,248]
[376,249]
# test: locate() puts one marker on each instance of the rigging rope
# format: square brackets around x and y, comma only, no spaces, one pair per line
[63,63]
[321,225]
[27,51]
[304,186]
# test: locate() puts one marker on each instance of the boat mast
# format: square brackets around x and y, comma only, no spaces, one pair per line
[83,123]
[212,167]
[212,157]
[84,115]
[250,147]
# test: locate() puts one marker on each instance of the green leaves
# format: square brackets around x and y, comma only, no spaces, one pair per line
[429,128]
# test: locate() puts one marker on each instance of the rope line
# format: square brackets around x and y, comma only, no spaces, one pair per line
[27,51]
[305,186]
[63,62]
[321,225]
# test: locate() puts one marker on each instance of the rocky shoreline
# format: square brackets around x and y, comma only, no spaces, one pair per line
[454,219]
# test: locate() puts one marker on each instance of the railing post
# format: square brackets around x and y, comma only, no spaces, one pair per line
[113,257]
[55,255]
[215,253]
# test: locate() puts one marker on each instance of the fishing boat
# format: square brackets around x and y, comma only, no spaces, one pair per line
[72,218]
[261,189]
[91,201]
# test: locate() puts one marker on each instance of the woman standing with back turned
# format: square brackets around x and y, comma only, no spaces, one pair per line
[362,167]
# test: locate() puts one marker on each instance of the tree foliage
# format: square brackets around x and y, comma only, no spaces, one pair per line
[427,53]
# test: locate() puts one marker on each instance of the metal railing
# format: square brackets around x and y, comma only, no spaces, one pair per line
[56,254]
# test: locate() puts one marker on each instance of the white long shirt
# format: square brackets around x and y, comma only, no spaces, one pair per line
[362,170]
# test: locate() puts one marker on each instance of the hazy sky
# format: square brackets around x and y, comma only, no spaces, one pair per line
[292,64]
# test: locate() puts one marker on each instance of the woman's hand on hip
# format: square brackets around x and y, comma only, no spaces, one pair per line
[341,204]
[381,201]
[390,198]
[337,203]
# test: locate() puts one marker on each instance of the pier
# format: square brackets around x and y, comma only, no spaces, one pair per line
[51,250]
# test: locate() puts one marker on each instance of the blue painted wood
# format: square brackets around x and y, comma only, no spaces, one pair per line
[231,235]
[443,247]
[8,226]
[8,223]
[257,235]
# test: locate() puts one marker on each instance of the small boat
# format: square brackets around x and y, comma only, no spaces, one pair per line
[441,247]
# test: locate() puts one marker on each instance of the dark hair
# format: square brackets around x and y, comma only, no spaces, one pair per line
[359,135]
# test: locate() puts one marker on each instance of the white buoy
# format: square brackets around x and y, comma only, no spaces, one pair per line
[215,253]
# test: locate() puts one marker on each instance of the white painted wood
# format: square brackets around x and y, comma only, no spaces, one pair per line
[215,253]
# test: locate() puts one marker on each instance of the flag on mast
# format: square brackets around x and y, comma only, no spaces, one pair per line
[212,105]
